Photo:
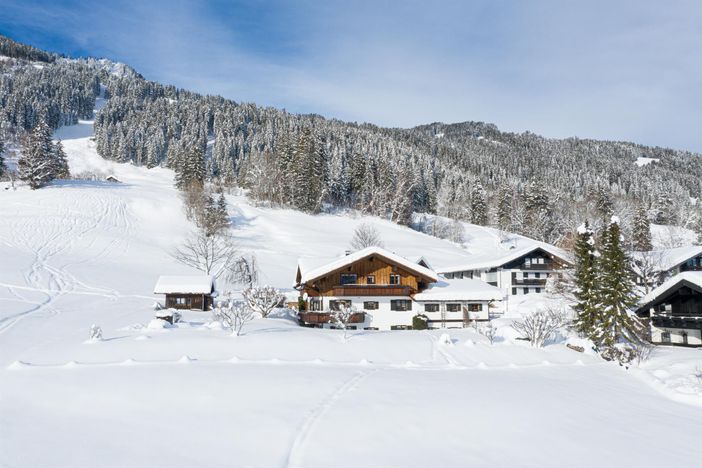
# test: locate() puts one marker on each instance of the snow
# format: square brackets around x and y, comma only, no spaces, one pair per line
[459,290]
[78,253]
[202,284]
[668,237]
[667,259]
[308,274]
[642,161]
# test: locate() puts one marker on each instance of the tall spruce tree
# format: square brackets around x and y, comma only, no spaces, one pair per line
[37,166]
[59,161]
[641,230]
[190,169]
[2,159]
[585,282]
[615,292]
[478,205]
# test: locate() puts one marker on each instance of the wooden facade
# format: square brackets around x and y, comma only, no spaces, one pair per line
[189,301]
[370,276]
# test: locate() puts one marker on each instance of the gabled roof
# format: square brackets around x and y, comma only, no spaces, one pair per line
[667,259]
[184,285]
[692,279]
[489,260]
[312,269]
[459,290]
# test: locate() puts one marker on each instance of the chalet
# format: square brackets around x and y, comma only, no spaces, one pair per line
[386,290]
[654,267]
[674,310]
[518,271]
[187,292]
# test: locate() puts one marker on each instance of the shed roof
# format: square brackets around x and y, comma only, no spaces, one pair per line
[202,284]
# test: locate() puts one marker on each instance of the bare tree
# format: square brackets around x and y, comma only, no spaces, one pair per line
[540,325]
[649,267]
[341,318]
[263,299]
[244,270]
[366,235]
[234,314]
[213,255]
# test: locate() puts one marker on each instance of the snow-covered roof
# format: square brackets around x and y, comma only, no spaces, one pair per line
[459,290]
[311,269]
[691,277]
[490,260]
[667,259]
[184,285]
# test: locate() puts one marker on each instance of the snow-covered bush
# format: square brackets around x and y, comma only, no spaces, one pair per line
[420,322]
[95,333]
[234,314]
[489,331]
[263,299]
[341,318]
[539,326]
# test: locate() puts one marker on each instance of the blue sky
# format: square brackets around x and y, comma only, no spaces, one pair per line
[625,70]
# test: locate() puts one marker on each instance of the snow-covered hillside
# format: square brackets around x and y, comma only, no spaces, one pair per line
[78,253]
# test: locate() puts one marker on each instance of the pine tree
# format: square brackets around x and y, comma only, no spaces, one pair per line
[2,159]
[36,165]
[585,281]
[615,292]
[190,169]
[59,161]
[504,208]
[478,206]
[641,230]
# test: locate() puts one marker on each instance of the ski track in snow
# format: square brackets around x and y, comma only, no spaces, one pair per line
[297,449]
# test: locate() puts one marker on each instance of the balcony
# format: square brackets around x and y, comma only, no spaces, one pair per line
[529,282]
[320,318]
[537,266]
[353,290]
[686,267]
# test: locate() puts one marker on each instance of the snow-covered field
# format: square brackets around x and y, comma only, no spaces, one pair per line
[78,253]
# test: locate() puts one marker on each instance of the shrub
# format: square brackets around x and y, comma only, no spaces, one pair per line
[420,322]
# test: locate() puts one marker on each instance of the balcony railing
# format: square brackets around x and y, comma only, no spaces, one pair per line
[319,318]
[538,266]
[371,290]
[530,281]
[686,267]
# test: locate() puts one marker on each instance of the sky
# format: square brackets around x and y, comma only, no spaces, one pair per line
[618,70]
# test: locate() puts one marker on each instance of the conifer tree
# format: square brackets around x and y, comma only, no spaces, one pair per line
[59,161]
[641,230]
[585,278]
[478,206]
[615,292]
[504,208]
[36,165]
[2,159]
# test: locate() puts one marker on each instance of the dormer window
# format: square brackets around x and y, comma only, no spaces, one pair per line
[394,279]
[348,278]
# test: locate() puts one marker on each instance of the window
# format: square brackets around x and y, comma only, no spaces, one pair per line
[370,305]
[394,279]
[400,327]
[401,304]
[537,290]
[453,307]
[316,304]
[665,337]
[370,279]
[537,275]
[526,290]
[431,307]
[514,291]
[475,307]
[336,305]
[182,301]
[348,278]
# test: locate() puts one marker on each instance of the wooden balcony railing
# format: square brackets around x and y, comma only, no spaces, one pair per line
[318,318]
[529,281]
[371,290]
[538,266]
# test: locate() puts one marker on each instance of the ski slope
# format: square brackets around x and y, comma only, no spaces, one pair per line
[78,253]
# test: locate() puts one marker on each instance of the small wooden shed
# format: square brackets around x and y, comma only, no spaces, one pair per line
[187,292]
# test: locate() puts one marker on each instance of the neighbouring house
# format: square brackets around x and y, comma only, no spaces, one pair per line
[674,310]
[518,271]
[455,303]
[111,178]
[187,292]
[383,288]
[653,268]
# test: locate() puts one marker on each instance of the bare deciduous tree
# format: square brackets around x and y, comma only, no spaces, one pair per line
[341,318]
[234,314]
[649,266]
[540,325]
[244,270]
[366,235]
[213,255]
[489,331]
[263,299]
